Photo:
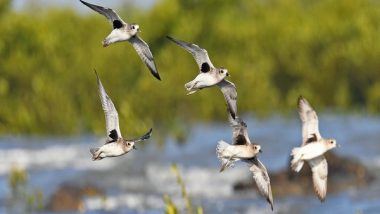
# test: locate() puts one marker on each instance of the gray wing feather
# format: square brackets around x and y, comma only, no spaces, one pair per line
[109,13]
[319,168]
[200,55]
[230,95]
[239,131]
[262,180]
[111,115]
[144,137]
[309,120]
[146,56]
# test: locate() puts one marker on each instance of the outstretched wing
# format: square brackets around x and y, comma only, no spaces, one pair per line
[146,56]
[142,138]
[319,166]
[261,177]
[310,129]
[110,14]
[112,118]
[230,95]
[200,55]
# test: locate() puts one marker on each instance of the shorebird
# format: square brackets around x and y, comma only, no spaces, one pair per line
[115,144]
[209,75]
[122,31]
[312,149]
[243,150]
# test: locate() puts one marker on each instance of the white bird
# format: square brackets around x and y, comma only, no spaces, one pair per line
[209,75]
[242,149]
[123,31]
[115,144]
[312,149]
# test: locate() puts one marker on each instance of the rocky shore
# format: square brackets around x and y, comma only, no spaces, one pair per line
[344,173]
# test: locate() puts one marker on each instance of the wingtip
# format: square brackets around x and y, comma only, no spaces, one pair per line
[96,74]
[300,98]
[271,203]
[321,199]
[148,134]
[83,2]
[156,75]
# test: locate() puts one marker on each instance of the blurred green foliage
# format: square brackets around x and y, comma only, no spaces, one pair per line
[275,50]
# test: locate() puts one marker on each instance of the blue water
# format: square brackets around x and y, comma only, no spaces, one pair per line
[136,182]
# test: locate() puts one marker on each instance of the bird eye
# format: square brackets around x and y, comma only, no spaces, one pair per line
[255,147]
[133,27]
[128,144]
[331,142]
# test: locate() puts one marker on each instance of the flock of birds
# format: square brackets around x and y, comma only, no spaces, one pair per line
[242,149]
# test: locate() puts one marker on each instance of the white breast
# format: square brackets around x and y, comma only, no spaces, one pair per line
[205,80]
[312,150]
[111,149]
[239,151]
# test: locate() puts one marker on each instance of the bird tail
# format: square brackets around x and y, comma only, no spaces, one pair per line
[190,87]
[296,162]
[224,159]
[94,152]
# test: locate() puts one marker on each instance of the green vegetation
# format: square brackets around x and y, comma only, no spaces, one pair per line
[326,50]
[171,208]
[23,199]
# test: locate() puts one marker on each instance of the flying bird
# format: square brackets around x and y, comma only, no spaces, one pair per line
[115,144]
[122,31]
[209,75]
[243,150]
[312,149]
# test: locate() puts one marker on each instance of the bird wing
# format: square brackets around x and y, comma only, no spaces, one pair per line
[319,166]
[230,95]
[309,118]
[109,13]
[112,119]
[262,180]
[142,138]
[239,131]
[146,56]
[200,55]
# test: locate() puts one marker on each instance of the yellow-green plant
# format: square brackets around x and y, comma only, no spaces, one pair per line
[21,196]
[171,208]
[17,180]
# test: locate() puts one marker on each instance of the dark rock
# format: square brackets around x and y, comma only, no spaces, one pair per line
[69,197]
[344,173]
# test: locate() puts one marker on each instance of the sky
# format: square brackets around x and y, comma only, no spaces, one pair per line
[21,4]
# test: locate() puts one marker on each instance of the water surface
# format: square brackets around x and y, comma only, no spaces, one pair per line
[135,183]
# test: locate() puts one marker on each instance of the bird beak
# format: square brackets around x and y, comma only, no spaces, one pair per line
[134,147]
[261,151]
[228,74]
